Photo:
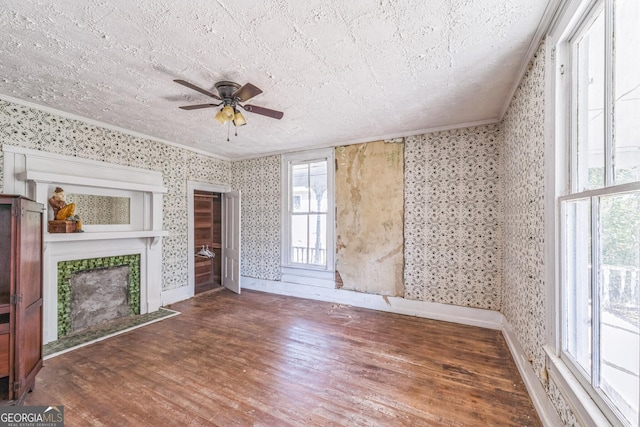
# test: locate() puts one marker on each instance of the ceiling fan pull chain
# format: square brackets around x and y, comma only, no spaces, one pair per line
[228,130]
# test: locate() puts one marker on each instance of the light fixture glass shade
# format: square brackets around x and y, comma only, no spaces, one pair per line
[238,119]
[227,112]
[221,118]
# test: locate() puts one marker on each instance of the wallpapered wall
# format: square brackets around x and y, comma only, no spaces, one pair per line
[35,129]
[452,217]
[259,183]
[452,214]
[523,290]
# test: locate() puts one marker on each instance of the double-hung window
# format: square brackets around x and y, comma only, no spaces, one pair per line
[600,215]
[308,222]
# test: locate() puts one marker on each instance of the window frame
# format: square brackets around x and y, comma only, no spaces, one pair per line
[288,160]
[572,19]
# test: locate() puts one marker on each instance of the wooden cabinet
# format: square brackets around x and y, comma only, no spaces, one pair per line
[20,295]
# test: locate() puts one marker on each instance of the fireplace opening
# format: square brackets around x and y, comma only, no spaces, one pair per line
[95,291]
[98,296]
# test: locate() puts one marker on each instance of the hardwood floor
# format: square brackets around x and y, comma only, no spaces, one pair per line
[268,360]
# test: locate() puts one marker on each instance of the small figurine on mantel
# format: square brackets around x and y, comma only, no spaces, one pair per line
[63,211]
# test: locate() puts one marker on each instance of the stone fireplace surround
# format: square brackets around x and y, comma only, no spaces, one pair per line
[35,174]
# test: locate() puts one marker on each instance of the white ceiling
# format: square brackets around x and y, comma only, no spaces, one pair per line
[341,71]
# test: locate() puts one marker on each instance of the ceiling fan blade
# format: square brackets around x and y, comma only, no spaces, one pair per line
[195,107]
[198,89]
[246,92]
[263,111]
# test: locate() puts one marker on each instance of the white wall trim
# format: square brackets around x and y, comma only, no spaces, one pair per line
[449,313]
[546,411]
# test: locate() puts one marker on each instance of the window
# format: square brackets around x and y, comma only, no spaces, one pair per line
[308,211]
[600,217]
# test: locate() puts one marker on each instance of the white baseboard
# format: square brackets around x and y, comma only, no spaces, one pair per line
[174,295]
[430,310]
[546,411]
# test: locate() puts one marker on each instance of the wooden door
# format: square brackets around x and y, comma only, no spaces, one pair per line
[231,238]
[28,298]
[208,233]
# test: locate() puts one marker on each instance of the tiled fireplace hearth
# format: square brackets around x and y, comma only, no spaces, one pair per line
[36,174]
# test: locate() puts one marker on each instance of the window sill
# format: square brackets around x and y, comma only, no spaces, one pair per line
[586,411]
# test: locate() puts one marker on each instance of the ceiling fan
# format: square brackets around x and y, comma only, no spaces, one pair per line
[231,96]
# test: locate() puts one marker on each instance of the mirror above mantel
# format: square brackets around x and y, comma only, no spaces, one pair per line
[101,210]
[104,209]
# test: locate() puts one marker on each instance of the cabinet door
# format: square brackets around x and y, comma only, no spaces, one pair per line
[28,354]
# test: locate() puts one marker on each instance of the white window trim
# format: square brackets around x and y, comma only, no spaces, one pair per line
[589,410]
[325,275]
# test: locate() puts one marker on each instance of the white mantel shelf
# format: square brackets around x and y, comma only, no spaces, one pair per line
[70,237]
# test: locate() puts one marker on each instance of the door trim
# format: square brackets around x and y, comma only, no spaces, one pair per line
[191,187]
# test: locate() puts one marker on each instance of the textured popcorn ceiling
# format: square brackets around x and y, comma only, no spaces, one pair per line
[341,71]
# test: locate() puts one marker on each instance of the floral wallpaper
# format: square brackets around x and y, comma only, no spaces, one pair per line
[259,183]
[452,217]
[523,289]
[39,130]
[523,189]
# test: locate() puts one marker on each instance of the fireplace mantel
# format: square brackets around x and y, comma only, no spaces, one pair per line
[35,174]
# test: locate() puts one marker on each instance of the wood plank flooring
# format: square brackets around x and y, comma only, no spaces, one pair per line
[258,359]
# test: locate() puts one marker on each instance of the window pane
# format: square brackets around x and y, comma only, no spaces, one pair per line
[299,238]
[627,91]
[590,92]
[300,188]
[317,239]
[578,276]
[620,301]
[318,179]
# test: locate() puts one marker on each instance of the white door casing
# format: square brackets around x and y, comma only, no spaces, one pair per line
[231,241]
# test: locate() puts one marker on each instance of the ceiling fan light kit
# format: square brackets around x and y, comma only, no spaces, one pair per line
[238,119]
[232,96]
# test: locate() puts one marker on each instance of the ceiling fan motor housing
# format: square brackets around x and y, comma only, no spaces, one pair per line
[226,89]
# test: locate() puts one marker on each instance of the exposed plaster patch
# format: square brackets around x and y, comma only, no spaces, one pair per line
[369,218]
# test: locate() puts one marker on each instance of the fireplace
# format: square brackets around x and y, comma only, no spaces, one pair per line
[36,174]
[97,290]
